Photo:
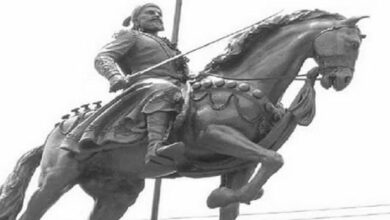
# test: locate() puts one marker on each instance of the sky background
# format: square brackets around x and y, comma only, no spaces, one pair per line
[47,50]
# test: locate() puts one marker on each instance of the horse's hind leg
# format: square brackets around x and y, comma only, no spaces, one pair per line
[53,183]
[111,207]
[234,181]
[112,198]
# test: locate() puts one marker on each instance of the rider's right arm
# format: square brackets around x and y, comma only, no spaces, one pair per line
[106,60]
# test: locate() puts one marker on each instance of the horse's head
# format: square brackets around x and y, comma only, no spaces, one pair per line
[336,50]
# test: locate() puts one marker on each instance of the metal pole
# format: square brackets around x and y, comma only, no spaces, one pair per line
[158,181]
[176,22]
[156,198]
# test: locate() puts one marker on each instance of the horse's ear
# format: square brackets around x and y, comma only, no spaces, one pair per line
[353,20]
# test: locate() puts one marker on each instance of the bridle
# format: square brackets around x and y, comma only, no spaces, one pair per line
[322,59]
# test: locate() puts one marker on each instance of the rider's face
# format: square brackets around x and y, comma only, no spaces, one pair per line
[150,20]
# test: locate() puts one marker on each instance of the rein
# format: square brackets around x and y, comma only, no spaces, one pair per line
[297,77]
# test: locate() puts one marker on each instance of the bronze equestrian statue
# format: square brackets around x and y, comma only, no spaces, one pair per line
[227,121]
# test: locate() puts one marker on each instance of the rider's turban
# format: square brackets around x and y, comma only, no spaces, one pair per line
[136,12]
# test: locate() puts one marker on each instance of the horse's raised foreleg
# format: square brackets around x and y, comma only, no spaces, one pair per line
[53,183]
[228,141]
[234,181]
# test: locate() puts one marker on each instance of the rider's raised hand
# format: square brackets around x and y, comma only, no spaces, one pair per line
[117,82]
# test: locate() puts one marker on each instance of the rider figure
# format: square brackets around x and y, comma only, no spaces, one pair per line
[136,49]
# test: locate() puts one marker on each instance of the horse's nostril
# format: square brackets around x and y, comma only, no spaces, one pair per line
[347,79]
[332,78]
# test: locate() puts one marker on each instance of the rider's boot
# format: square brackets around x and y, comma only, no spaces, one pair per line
[158,126]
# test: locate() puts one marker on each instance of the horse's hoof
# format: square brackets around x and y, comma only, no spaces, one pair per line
[259,194]
[221,197]
[247,199]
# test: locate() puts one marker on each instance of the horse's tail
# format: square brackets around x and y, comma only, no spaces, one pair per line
[13,190]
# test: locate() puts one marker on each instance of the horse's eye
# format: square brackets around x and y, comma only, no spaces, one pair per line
[355,45]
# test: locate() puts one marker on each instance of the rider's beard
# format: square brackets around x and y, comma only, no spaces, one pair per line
[153,26]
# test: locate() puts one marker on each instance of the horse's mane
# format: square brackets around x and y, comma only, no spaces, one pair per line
[241,44]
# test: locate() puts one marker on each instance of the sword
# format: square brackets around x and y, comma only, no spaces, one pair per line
[130,78]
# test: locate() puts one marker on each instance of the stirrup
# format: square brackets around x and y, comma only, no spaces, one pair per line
[171,151]
[159,160]
[167,155]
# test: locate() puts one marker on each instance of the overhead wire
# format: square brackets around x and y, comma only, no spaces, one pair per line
[319,209]
[383,205]
[344,216]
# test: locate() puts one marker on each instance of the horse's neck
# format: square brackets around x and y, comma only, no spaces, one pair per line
[281,57]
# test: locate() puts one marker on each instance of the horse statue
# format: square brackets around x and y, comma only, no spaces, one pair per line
[231,122]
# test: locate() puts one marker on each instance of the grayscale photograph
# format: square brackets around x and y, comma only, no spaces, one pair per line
[194,109]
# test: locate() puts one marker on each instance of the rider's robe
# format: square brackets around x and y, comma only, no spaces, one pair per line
[123,119]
